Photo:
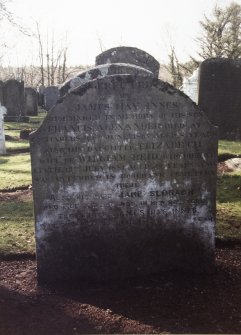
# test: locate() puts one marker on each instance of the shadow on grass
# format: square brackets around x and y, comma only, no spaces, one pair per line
[15,171]
[3,160]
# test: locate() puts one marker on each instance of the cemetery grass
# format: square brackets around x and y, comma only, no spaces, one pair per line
[16,222]
[228,149]
[229,207]
[14,143]
[15,172]
[34,122]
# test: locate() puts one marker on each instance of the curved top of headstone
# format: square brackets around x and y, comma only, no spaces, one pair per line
[30,89]
[131,56]
[223,71]
[220,94]
[13,82]
[102,71]
[50,88]
[219,62]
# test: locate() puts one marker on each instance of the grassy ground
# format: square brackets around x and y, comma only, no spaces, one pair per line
[15,144]
[16,215]
[228,148]
[34,122]
[229,206]
[17,229]
[15,171]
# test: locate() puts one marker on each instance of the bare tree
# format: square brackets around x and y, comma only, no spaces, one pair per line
[221,34]
[53,59]
[7,15]
[41,54]
[174,68]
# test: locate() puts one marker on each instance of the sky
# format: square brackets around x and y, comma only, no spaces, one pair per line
[89,27]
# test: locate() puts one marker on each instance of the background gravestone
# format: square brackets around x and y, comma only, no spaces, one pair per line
[3,111]
[51,95]
[13,100]
[190,86]
[131,56]
[31,101]
[1,92]
[124,177]
[102,71]
[220,95]
[41,95]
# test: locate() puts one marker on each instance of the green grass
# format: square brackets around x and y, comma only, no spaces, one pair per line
[229,206]
[34,122]
[13,129]
[16,227]
[228,221]
[15,171]
[13,133]
[229,147]
[12,146]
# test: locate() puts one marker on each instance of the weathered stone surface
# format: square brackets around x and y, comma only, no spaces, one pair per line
[31,101]
[124,177]
[3,111]
[131,56]
[102,71]
[190,86]
[220,95]
[13,100]
[41,96]
[1,92]
[51,95]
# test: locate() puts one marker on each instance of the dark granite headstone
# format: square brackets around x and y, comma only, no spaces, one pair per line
[102,71]
[51,95]
[1,92]
[41,96]
[220,95]
[124,178]
[31,101]
[13,100]
[2,136]
[131,56]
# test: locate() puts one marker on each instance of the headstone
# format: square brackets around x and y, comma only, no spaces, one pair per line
[41,96]
[131,56]
[31,101]
[190,86]
[1,92]
[220,95]
[3,111]
[13,100]
[51,95]
[124,177]
[102,71]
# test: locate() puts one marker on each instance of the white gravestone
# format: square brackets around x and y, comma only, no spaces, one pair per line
[3,111]
[190,86]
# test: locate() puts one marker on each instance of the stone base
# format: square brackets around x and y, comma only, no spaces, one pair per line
[62,257]
[33,113]
[15,118]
